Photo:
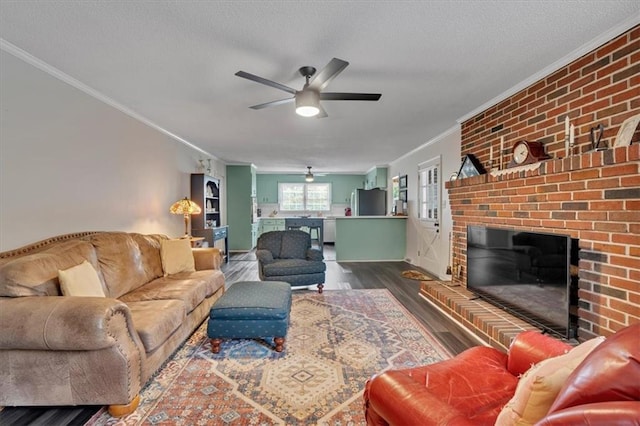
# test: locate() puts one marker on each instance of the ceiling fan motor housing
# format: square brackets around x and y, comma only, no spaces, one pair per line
[307,72]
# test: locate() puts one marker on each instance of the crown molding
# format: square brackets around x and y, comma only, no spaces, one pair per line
[603,38]
[448,132]
[54,72]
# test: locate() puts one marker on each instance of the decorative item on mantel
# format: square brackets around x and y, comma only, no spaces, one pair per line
[627,130]
[595,142]
[470,167]
[569,136]
[516,169]
[527,152]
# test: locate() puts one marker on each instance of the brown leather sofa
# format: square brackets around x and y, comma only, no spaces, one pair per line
[58,350]
[473,387]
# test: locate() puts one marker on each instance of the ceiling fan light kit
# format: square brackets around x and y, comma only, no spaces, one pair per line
[309,176]
[308,99]
[307,103]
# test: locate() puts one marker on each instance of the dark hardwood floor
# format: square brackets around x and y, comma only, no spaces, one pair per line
[244,267]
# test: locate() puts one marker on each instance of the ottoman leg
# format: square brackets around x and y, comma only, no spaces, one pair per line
[215,345]
[279,341]
[320,286]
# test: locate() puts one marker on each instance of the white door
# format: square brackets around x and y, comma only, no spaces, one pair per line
[431,243]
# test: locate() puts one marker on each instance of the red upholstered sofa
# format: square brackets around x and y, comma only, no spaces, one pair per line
[473,387]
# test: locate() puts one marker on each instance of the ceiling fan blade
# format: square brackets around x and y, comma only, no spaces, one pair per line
[328,73]
[322,113]
[257,79]
[333,96]
[273,103]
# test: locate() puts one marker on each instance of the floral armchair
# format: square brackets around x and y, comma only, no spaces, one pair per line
[287,256]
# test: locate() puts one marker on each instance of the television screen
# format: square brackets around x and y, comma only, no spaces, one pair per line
[525,273]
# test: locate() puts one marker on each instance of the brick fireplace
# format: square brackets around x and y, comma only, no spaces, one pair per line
[593,196]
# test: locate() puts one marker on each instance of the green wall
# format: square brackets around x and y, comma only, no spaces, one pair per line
[239,190]
[341,185]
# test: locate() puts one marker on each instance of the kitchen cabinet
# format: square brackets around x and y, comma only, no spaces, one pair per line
[267,189]
[253,181]
[342,187]
[372,238]
[376,178]
[267,225]
[254,233]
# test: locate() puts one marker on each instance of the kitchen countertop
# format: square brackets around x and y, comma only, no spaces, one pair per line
[295,217]
[333,217]
[371,217]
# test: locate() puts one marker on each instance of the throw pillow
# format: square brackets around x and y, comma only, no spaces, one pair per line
[539,386]
[80,280]
[176,256]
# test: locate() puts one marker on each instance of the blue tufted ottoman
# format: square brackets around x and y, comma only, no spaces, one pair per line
[251,309]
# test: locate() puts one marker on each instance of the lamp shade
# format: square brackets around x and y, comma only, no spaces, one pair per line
[185,206]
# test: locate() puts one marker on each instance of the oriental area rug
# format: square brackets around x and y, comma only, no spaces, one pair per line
[336,341]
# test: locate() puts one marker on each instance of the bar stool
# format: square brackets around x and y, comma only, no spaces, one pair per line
[318,236]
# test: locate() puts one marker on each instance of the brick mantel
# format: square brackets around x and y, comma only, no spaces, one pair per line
[593,196]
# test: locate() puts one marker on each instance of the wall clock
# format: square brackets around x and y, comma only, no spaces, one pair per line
[470,167]
[527,152]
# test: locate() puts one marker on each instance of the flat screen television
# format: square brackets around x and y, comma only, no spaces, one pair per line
[525,273]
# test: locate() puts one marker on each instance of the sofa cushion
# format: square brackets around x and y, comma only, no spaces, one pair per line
[150,254]
[476,383]
[539,386]
[190,290]
[611,372]
[285,267]
[211,280]
[295,245]
[156,320]
[176,256]
[37,274]
[80,280]
[119,257]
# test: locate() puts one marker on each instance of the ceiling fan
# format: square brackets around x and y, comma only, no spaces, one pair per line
[308,99]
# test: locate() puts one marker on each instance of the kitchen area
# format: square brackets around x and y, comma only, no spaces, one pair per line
[358,222]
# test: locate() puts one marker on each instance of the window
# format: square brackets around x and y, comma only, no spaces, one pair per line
[429,193]
[304,196]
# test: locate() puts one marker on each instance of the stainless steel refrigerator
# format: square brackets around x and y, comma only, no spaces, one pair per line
[369,202]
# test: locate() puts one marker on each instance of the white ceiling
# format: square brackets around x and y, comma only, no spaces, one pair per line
[173,63]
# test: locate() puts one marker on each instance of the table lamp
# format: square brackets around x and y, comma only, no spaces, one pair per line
[186,208]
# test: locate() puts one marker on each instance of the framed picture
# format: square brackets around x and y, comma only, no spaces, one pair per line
[403,195]
[470,167]
[627,129]
[403,182]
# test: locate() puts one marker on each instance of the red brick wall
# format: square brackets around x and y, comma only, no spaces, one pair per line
[602,87]
[593,196]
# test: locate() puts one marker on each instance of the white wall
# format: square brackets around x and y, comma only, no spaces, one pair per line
[71,163]
[420,236]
